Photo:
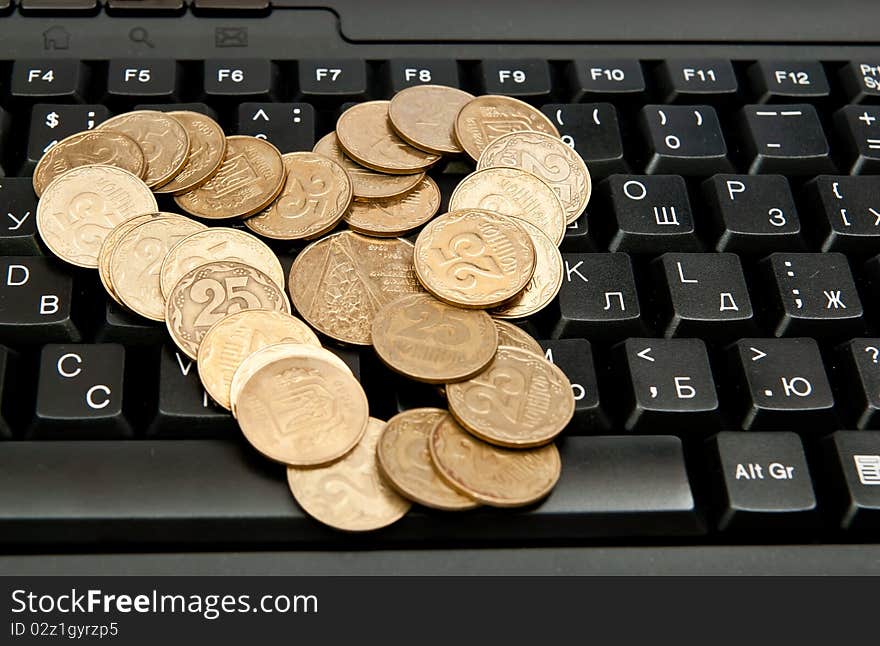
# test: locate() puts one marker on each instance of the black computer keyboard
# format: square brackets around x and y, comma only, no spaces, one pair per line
[718,319]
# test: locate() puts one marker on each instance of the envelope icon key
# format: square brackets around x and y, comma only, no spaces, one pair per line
[231,37]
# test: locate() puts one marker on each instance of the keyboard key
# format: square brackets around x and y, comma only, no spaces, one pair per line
[332,80]
[781,385]
[35,301]
[861,81]
[201,108]
[598,298]
[577,235]
[80,392]
[50,123]
[614,486]
[762,481]
[289,126]
[239,78]
[120,326]
[811,293]
[230,7]
[145,7]
[753,214]
[58,7]
[859,132]
[406,72]
[703,80]
[651,214]
[788,80]
[184,409]
[593,131]
[18,231]
[683,139]
[48,79]
[853,459]
[786,140]
[703,294]
[142,80]
[847,212]
[859,379]
[666,383]
[525,79]
[617,80]
[575,358]
[9,393]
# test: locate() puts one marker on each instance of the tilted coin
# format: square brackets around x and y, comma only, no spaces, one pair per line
[365,134]
[207,148]
[520,400]
[428,340]
[88,148]
[136,259]
[79,208]
[424,116]
[366,184]
[483,120]
[513,192]
[405,460]
[509,334]
[109,244]
[162,138]
[393,216]
[546,157]
[302,409]
[315,196]
[219,243]
[270,354]
[350,494]
[490,474]
[234,338]
[339,282]
[212,291]
[545,283]
[474,258]
[250,178]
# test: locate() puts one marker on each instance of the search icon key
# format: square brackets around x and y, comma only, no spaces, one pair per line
[140,35]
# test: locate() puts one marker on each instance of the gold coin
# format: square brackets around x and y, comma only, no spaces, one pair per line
[427,340]
[218,243]
[405,461]
[474,258]
[490,474]
[137,257]
[424,116]
[545,283]
[109,244]
[79,208]
[509,334]
[339,282]
[364,132]
[302,409]
[207,148]
[544,156]
[520,400]
[270,354]
[212,291]
[393,216]
[162,138]
[514,192]
[366,184]
[350,494]
[89,148]
[483,120]
[315,196]
[249,179]
[234,338]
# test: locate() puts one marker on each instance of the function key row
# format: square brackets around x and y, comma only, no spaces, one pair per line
[136,7]
[711,81]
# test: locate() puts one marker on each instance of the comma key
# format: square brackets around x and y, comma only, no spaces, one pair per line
[35,301]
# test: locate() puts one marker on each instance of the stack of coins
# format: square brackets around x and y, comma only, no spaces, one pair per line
[432,310]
